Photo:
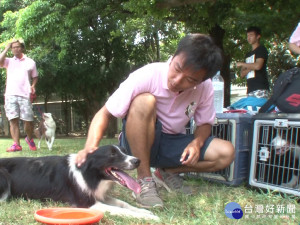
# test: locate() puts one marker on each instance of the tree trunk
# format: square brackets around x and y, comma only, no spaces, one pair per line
[112,128]
[46,104]
[5,122]
[156,39]
[66,110]
[217,33]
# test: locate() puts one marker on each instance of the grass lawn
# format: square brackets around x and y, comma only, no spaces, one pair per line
[207,206]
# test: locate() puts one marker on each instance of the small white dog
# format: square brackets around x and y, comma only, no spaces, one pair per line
[46,129]
[282,146]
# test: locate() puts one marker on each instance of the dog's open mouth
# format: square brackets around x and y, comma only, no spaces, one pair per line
[124,179]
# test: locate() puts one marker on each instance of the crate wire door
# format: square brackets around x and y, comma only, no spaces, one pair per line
[276,155]
[223,129]
[236,128]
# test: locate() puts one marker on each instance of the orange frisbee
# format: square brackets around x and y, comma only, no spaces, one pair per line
[68,216]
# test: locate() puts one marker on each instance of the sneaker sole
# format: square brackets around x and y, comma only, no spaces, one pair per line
[14,150]
[160,183]
[146,206]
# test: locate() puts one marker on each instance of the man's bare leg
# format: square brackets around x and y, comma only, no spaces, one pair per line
[218,155]
[140,134]
[140,130]
[15,130]
[29,129]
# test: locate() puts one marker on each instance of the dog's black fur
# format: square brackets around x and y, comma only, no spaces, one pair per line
[59,179]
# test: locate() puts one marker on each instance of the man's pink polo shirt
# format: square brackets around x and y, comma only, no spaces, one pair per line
[174,110]
[18,73]
[295,38]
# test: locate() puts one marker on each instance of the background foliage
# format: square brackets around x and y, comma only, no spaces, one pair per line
[85,48]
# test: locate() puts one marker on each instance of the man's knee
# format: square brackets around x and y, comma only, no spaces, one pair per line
[28,124]
[229,153]
[226,155]
[144,100]
[221,152]
[143,105]
[14,122]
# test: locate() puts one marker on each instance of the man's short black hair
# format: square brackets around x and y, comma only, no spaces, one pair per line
[254,29]
[200,53]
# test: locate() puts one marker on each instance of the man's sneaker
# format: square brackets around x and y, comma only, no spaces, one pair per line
[148,197]
[31,144]
[14,148]
[171,181]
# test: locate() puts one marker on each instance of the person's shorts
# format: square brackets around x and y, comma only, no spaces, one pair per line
[18,107]
[167,149]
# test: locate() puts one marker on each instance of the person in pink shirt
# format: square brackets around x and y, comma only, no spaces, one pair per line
[156,102]
[20,70]
[294,42]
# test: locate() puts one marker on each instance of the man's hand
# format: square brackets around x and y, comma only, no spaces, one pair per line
[3,53]
[244,69]
[8,46]
[240,64]
[190,155]
[294,48]
[82,154]
[33,89]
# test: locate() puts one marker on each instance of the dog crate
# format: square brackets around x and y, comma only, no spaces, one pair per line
[276,153]
[236,128]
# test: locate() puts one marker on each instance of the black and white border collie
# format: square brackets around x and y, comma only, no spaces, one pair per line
[58,178]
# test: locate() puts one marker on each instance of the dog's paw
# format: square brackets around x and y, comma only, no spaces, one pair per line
[144,211]
[150,217]
[147,214]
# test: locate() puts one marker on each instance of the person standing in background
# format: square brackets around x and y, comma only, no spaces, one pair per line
[255,67]
[294,42]
[20,71]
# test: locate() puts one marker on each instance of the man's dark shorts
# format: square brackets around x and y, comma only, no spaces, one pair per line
[167,149]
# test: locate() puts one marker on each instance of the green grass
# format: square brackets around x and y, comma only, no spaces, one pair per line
[205,207]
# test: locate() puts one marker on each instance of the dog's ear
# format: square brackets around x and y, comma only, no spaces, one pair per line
[122,149]
[93,159]
[89,162]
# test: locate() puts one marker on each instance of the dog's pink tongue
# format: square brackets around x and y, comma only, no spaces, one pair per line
[130,182]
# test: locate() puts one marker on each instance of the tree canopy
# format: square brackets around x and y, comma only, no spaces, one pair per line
[85,48]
